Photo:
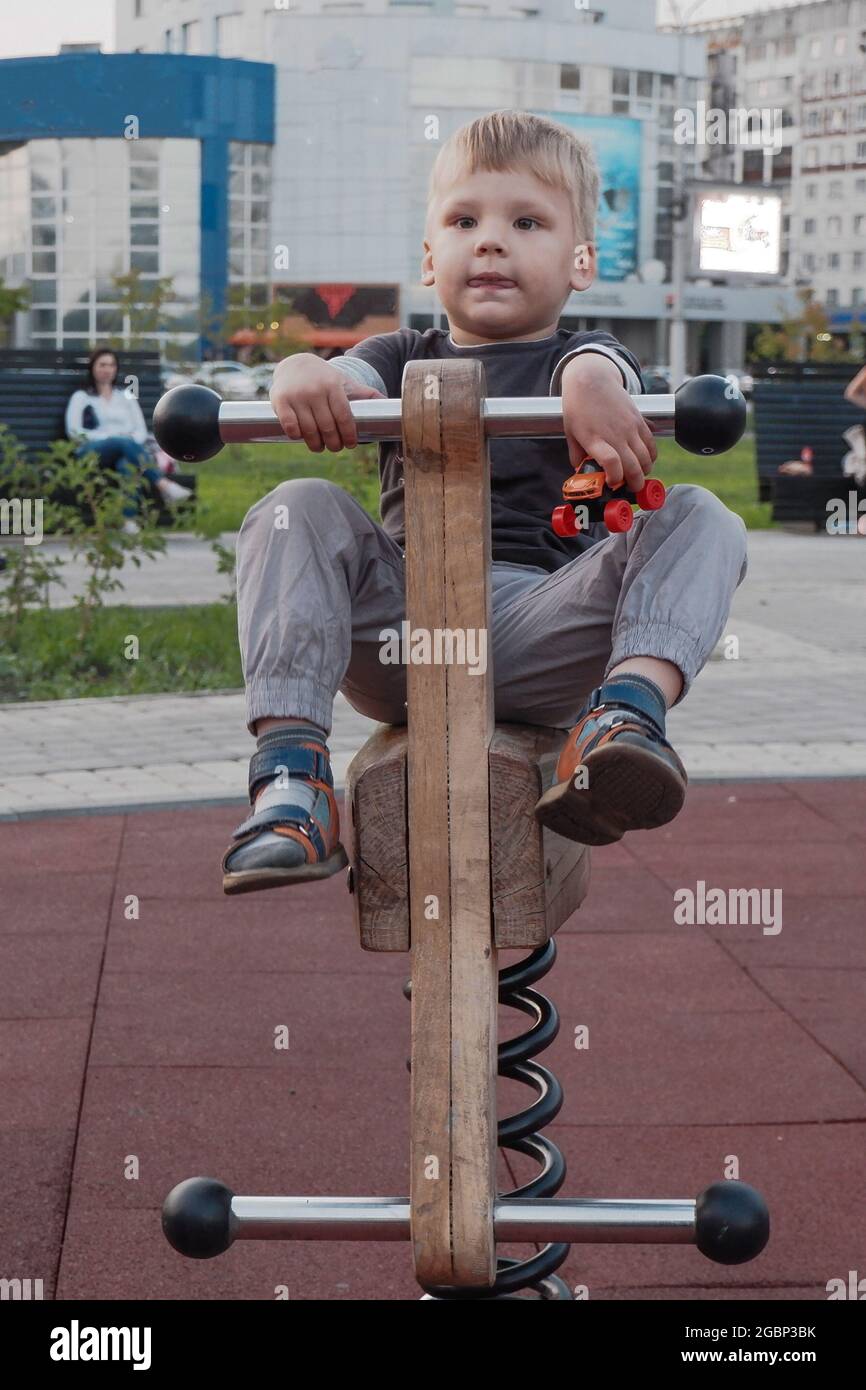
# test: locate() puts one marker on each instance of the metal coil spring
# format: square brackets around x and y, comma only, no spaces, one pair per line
[519,1132]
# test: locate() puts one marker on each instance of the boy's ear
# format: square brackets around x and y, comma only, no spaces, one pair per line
[427,276]
[584,265]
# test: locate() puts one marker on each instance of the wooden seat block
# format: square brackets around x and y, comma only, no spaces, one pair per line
[539,878]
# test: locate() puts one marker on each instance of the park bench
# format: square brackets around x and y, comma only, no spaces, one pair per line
[799,405]
[35,386]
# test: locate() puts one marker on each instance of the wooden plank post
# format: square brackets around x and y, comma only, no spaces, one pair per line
[450,727]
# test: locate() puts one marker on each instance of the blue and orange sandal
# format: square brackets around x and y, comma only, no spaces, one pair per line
[616,770]
[309,840]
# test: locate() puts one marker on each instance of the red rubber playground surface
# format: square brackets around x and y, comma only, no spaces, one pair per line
[136,1053]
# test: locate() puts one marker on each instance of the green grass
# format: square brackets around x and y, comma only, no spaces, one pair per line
[731,476]
[196,647]
[229,484]
[180,649]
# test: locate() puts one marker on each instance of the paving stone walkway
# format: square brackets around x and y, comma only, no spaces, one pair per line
[789,703]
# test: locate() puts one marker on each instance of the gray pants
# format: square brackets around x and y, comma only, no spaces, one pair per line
[313,599]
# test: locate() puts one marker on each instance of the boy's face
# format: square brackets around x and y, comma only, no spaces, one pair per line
[514,226]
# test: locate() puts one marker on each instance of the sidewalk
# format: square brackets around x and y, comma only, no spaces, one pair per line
[185,573]
[790,705]
[139,1052]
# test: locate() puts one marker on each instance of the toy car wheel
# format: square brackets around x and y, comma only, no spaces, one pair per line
[564,521]
[651,496]
[618,515]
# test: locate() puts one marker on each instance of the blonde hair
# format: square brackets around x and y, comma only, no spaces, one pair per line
[508,140]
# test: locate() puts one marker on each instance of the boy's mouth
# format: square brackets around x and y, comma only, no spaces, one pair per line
[492,281]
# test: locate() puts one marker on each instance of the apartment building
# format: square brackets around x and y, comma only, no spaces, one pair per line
[808,62]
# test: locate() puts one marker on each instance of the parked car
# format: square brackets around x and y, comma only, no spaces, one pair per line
[173,376]
[657,380]
[233,380]
[263,375]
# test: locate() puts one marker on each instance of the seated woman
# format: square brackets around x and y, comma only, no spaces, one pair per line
[109,423]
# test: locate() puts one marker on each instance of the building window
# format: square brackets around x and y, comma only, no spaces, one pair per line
[781,164]
[839,44]
[857,295]
[808,261]
[569,77]
[83,296]
[167,41]
[619,82]
[809,226]
[753,166]
[860,116]
[190,37]
[811,191]
[250,269]
[857,260]
[837,154]
[832,299]
[860,224]
[861,151]
[230,35]
[139,9]
[833,260]
[814,48]
[836,187]
[834,226]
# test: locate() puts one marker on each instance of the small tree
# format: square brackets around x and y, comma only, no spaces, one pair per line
[83,502]
[804,337]
[273,342]
[144,303]
[12,302]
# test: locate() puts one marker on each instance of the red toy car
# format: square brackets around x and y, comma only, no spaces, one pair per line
[588,489]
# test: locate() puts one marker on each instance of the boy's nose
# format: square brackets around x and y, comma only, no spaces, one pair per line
[489,242]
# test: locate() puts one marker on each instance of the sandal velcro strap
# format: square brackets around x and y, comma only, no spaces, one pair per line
[628,695]
[294,761]
[298,817]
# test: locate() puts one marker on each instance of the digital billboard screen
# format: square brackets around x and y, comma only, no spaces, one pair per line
[738,233]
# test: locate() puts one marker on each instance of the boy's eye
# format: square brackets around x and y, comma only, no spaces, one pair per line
[467,218]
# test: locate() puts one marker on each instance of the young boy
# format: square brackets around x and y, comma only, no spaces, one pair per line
[629,617]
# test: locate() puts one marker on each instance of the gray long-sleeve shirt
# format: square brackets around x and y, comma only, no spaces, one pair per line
[526,474]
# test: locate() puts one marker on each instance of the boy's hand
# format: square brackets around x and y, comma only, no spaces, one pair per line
[601,421]
[311,400]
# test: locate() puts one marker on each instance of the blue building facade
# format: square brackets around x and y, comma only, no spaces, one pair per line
[159,163]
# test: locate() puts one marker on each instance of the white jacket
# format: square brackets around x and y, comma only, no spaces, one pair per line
[121,415]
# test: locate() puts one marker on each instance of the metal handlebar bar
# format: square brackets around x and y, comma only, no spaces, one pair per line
[707,415]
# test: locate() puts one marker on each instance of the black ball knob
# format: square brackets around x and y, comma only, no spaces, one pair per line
[732,1223]
[710,414]
[197,1215]
[186,422]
